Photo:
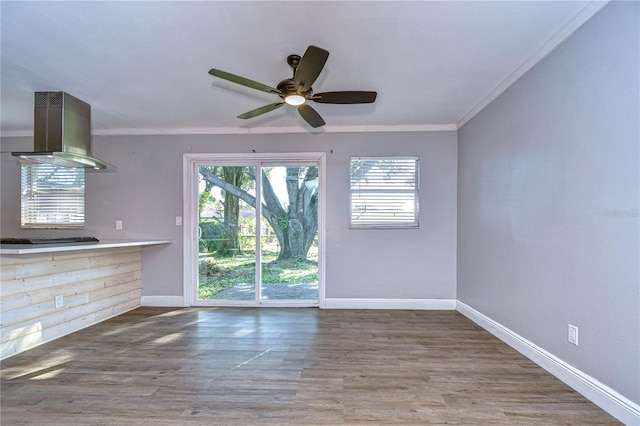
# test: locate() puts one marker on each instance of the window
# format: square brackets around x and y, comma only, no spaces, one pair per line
[52,196]
[384,192]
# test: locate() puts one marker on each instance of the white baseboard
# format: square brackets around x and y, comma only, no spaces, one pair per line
[410,304]
[163,301]
[600,394]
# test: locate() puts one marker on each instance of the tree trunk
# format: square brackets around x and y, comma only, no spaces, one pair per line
[303,209]
[296,239]
[231,247]
[296,227]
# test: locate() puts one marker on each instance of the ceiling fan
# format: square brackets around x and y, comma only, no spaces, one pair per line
[297,90]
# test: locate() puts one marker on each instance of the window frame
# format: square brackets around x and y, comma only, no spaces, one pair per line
[386,224]
[44,213]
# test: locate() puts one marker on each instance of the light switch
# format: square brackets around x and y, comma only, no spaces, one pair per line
[573,334]
[178,220]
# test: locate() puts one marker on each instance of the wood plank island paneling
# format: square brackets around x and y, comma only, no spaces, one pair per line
[95,285]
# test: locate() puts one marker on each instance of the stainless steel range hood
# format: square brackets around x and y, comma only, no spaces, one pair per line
[62,132]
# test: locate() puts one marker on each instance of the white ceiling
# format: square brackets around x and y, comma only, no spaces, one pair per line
[143,66]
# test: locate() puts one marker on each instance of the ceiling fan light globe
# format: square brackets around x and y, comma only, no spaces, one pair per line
[295,100]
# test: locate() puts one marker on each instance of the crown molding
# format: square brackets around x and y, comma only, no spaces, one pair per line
[558,38]
[258,130]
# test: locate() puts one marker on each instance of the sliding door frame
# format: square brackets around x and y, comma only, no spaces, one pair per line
[190,164]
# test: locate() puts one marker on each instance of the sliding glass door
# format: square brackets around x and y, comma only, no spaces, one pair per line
[257,233]
[227,231]
[289,246]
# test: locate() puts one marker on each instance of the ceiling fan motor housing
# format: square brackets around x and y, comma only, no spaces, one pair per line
[287,88]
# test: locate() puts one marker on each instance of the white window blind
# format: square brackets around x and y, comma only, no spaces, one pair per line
[384,192]
[51,196]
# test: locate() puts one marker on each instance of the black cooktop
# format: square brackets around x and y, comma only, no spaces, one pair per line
[48,240]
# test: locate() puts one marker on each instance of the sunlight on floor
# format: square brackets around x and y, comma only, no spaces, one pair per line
[169,338]
[44,366]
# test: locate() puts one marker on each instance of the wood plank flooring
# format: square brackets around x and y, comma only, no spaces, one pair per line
[207,366]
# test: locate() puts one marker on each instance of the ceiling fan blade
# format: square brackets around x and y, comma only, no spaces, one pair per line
[309,68]
[261,110]
[310,115]
[346,97]
[243,81]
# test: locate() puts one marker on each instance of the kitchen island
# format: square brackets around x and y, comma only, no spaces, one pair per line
[50,290]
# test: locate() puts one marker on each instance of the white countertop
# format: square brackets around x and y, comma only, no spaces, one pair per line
[49,248]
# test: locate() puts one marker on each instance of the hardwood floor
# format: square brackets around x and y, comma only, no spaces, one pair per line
[284,366]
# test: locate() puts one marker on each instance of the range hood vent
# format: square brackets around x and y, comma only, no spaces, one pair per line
[62,132]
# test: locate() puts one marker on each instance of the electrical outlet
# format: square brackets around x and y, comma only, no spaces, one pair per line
[59,301]
[572,336]
[118,224]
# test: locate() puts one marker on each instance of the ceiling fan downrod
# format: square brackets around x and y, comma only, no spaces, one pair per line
[293,61]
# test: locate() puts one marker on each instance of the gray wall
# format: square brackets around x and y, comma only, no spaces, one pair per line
[548,202]
[146,193]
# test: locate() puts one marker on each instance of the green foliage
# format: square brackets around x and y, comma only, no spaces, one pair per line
[208,278]
[283,221]
[215,238]
[213,234]
[205,199]
[290,271]
[220,274]
[208,267]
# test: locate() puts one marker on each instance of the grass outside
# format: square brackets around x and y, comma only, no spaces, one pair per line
[216,274]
